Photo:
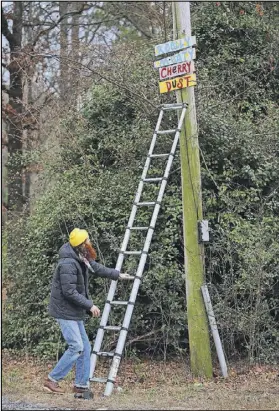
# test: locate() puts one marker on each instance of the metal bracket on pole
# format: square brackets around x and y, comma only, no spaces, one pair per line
[203,231]
[214,329]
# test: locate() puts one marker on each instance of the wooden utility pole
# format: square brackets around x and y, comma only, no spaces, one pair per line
[200,354]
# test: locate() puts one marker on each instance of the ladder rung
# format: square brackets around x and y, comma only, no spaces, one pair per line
[105,354]
[173,130]
[112,328]
[159,155]
[139,228]
[147,203]
[115,302]
[98,379]
[174,106]
[151,180]
[131,252]
[129,277]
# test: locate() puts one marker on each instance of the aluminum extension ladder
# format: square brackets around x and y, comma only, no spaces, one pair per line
[117,354]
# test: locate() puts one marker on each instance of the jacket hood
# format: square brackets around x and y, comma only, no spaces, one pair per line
[66,251]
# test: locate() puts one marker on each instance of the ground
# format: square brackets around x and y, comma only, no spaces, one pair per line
[148,385]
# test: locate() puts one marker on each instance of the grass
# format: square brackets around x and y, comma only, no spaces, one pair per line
[149,385]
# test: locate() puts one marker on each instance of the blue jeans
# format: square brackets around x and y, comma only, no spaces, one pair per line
[78,352]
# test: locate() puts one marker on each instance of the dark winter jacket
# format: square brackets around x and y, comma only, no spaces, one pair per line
[69,297]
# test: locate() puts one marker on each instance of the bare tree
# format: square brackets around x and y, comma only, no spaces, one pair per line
[21,60]
[63,42]
[14,108]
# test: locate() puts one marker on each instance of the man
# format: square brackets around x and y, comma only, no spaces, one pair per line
[69,303]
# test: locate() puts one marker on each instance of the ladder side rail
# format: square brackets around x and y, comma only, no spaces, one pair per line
[129,311]
[101,331]
[166,175]
[130,308]
[112,289]
[171,157]
[139,191]
[123,333]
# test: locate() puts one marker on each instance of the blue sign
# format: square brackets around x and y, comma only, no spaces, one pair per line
[175,45]
[185,55]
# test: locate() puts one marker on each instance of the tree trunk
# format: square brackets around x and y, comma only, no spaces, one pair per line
[4,158]
[15,192]
[27,102]
[74,67]
[63,7]
[30,134]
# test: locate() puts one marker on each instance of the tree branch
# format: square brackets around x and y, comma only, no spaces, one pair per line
[55,24]
[5,30]
[142,337]
[108,79]
[48,23]
[6,89]
[137,27]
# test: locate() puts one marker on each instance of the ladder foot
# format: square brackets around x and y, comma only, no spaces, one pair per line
[87,395]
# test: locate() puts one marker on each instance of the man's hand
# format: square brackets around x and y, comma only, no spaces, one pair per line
[125,276]
[95,311]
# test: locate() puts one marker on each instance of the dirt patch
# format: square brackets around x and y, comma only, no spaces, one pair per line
[149,385]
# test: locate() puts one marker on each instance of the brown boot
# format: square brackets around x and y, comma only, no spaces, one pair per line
[53,387]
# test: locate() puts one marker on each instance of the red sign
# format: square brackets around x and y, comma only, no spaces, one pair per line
[176,70]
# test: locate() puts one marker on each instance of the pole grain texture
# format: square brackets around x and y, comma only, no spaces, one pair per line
[198,330]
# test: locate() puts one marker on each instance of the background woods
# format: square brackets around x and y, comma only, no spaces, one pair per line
[79,107]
